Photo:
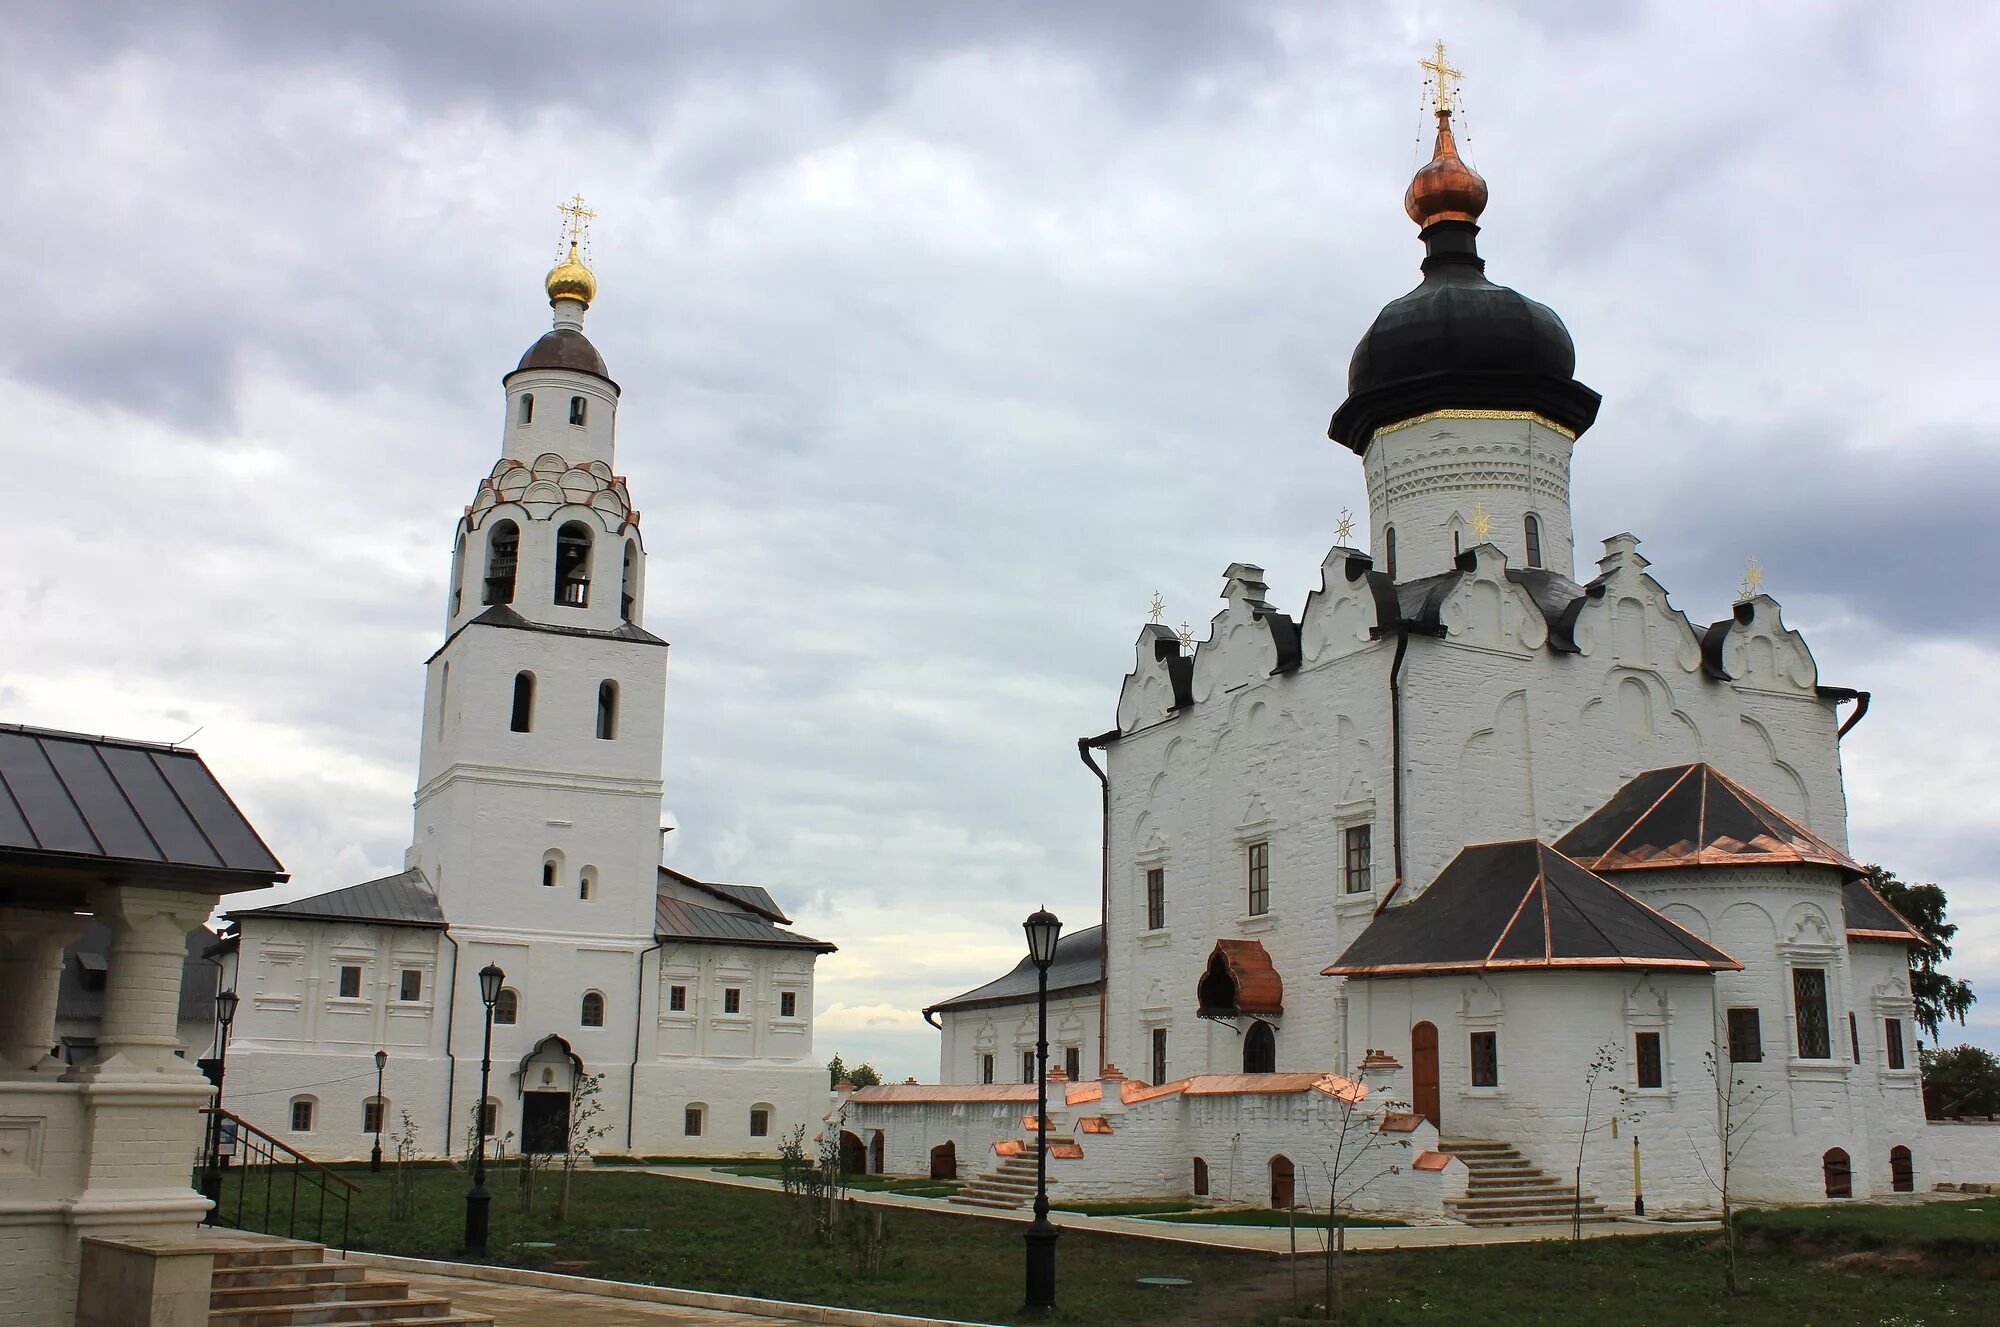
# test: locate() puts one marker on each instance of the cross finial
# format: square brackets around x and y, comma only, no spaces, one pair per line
[575,225]
[1186,635]
[1158,607]
[1482,524]
[1343,529]
[1442,77]
[1753,581]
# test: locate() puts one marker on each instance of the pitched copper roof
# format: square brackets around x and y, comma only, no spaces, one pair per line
[1521,905]
[1694,815]
[1872,917]
[1130,1090]
[1240,980]
[951,1093]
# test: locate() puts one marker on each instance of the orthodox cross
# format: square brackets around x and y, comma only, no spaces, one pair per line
[1753,581]
[1343,529]
[1187,639]
[576,223]
[1442,75]
[1158,607]
[1482,524]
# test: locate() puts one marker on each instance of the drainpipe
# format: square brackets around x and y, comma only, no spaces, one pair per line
[638,1023]
[1083,746]
[1861,699]
[451,1061]
[1396,756]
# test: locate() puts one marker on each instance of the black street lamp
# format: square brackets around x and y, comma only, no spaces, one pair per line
[211,1179]
[375,1157]
[1043,928]
[478,1201]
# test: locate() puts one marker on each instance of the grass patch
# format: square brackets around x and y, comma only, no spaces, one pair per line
[1963,1226]
[1123,1209]
[1264,1216]
[914,1185]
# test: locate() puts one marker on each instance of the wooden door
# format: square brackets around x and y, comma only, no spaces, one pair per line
[1424,1072]
[1281,1182]
[545,1123]
[875,1150]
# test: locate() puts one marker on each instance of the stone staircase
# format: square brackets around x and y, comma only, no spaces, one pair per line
[282,1282]
[1504,1188]
[1009,1186]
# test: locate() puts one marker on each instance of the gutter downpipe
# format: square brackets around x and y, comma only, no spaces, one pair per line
[638,1025]
[1083,746]
[1861,699]
[451,1061]
[1396,757]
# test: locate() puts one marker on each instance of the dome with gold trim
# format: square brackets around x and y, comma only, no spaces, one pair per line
[570,279]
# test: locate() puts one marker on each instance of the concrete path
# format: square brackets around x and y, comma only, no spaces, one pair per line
[1254,1239]
[533,1306]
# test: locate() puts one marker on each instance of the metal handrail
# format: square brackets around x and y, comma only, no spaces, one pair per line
[258,1150]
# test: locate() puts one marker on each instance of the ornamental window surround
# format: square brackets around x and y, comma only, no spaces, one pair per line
[1156,897]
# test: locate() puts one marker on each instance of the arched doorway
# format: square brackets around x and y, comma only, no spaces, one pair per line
[1260,1049]
[853,1154]
[1200,1178]
[1839,1173]
[1281,1182]
[1902,1175]
[876,1148]
[944,1161]
[1424,1072]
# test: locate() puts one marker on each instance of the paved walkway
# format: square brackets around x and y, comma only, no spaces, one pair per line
[1256,1239]
[533,1306]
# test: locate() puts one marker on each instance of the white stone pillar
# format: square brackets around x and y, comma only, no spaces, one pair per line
[143,983]
[31,950]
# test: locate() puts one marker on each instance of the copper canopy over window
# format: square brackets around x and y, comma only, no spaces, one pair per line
[1239,980]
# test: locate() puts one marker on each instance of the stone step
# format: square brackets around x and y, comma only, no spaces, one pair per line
[269,1253]
[268,1274]
[425,1309]
[1526,1205]
[1506,1182]
[304,1292]
[1544,1219]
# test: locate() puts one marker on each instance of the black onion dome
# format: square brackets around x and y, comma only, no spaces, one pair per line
[564,348]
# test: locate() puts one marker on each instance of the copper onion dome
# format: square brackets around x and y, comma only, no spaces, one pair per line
[1446,189]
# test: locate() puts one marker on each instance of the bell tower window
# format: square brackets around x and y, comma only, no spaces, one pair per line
[523,719]
[527,407]
[577,409]
[573,565]
[1534,532]
[503,555]
[607,710]
[628,599]
[1389,551]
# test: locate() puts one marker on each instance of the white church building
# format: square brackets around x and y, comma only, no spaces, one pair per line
[1471,821]
[536,847]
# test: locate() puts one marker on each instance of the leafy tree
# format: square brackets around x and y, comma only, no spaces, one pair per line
[836,1070]
[1935,993]
[864,1075]
[1959,1082]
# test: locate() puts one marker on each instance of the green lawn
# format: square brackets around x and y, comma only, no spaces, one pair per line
[916,1186]
[1264,1216]
[1845,1265]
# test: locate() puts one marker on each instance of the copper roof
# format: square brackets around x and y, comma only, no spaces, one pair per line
[954,1093]
[1130,1091]
[1239,979]
[1445,189]
[1695,815]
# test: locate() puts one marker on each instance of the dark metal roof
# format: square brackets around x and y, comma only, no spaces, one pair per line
[754,897]
[1695,815]
[565,348]
[678,919]
[1501,906]
[500,615]
[91,951]
[1079,964]
[71,797]
[1871,917]
[404,899]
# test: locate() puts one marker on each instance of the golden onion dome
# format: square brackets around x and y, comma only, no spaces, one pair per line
[570,279]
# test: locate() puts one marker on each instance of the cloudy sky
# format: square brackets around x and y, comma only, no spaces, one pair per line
[949,334]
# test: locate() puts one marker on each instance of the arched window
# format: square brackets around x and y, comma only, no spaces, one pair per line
[577,407]
[1902,1175]
[1534,532]
[507,1009]
[1389,551]
[586,883]
[457,575]
[523,720]
[552,862]
[1457,545]
[593,1009]
[1260,1049]
[1281,1182]
[573,565]
[1200,1178]
[444,694]
[503,555]
[1839,1173]
[628,600]
[527,407]
[607,710]
[303,1110]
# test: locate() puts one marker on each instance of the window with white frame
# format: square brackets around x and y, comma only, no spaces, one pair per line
[1358,869]
[1257,869]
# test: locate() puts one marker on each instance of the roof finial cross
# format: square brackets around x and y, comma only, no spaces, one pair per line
[1753,581]
[575,225]
[1442,77]
[1158,606]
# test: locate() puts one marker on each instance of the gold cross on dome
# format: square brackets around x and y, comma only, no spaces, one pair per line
[1343,529]
[576,222]
[1482,524]
[1157,607]
[1442,75]
[1753,580]
[1186,635]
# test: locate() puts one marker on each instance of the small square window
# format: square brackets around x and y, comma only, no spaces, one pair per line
[413,986]
[1893,1027]
[760,1123]
[1651,1065]
[691,1122]
[677,999]
[371,1116]
[1257,863]
[1359,841]
[732,1000]
[1746,1037]
[302,1115]
[1156,898]
[350,983]
[1486,1059]
[788,1004]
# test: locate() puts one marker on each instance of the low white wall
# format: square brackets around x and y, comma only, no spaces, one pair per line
[1958,1153]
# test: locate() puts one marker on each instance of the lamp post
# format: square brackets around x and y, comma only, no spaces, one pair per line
[375,1157]
[211,1179]
[478,1200]
[1043,928]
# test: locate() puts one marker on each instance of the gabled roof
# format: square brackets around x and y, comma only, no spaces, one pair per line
[66,798]
[404,899]
[1501,906]
[1078,964]
[754,897]
[1871,917]
[1695,815]
[1239,980]
[678,919]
